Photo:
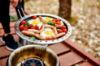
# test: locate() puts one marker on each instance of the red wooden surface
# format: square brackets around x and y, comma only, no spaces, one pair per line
[81,52]
[69,54]
[3,62]
[85,64]
[59,47]
[4,52]
[69,59]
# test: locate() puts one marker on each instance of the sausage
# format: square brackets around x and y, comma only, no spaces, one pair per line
[55,30]
[50,38]
[42,29]
[33,30]
[60,34]
[42,20]
[48,26]
[28,33]
[38,36]
[58,26]
[31,34]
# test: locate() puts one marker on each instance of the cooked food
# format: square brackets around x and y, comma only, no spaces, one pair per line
[43,28]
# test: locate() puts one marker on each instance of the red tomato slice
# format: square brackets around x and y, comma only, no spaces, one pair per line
[58,23]
[64,30]
[31,26]
[25,27]
[53,20]
[34,17]
[63,27]
[21,27]
[23,22]
[36,27]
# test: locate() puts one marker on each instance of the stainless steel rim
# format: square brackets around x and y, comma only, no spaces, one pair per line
[44,41]
[30,46]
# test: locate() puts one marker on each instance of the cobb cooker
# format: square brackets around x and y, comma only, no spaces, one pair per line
[42,44]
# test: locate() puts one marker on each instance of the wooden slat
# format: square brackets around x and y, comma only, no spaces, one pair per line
[69,59]
[59,48]
[4,52]
[85,63]
[3,62]
[12,31]
[82,53]
[11,25]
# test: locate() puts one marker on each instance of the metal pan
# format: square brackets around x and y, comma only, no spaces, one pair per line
[67,24]
[47,57]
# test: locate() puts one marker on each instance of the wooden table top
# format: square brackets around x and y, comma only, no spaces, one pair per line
[69,54]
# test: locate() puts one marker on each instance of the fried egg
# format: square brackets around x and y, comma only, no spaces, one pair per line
[35,22]
[48,19]
[47,33]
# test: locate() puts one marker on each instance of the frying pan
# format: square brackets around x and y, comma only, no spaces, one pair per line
[25,17]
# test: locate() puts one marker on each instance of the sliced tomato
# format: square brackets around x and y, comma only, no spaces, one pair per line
[21,27]
[25,27]
[23,22]
[53,20]
[64,30]
[63,27]
[31,26]
[34,17]
[57,20]
[36,27]
[58,23]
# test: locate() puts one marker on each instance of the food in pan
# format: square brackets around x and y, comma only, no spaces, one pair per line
[43,28]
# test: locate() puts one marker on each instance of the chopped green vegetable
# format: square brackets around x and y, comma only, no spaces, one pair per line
[28,24]
[51,23]
[33,38]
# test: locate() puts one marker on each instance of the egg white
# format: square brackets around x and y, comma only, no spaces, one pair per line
[37,20]
[44,35]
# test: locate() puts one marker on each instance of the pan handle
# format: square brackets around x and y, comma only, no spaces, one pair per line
[20,10]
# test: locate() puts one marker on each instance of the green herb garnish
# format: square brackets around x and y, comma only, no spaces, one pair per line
[51,23]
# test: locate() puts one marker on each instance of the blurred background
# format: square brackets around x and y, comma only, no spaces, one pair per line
[84,16]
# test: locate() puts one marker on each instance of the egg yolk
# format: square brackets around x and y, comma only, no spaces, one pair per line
[48,33]
[35,22]
[48,19]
